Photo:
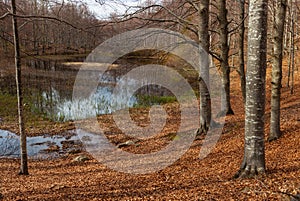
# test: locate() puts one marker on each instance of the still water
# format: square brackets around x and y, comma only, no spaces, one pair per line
[39,147]
[48,89]
[48,85]
[49,147]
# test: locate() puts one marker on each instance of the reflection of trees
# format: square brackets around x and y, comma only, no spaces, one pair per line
[49,84]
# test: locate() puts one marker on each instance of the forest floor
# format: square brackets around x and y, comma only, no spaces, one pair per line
[189,178]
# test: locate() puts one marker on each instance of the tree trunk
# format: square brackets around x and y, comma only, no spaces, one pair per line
[35,29]
[241,49]
[291,49]
[254,154]
[290,59]
[287,26]
[205,102]
[292,54]
[280,13]
[23,145]
[223,22]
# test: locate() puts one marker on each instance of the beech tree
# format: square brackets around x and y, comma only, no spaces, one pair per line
[278,33]
[224,56]
[291,25]
[241,48]
[17,51]
[203,37]
[190,18]
[254,151]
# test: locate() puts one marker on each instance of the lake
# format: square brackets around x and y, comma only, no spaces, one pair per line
[48,85]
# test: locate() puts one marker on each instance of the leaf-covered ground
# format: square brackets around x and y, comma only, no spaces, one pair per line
[187,179]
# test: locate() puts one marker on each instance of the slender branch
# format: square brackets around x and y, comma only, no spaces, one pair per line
[45,17]
[5,15]
[192,3]
[239,25]
[169,11]
[215,55]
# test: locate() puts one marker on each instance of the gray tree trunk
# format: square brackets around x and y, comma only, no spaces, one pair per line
[205,102]
[290,58]
[292,53]
[278,31]
[241,49]
[223,23]
[291,49]
[23,144]
[254,154]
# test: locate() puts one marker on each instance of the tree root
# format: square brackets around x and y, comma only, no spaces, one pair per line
[274,137]
[225,113]
[250,172]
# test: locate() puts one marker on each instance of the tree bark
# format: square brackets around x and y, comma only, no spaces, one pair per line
[278,29]
[35,29]
[23,144]
[291,49]
[242,49]
[254,154]
[292,54]
[223,23]
[203,36]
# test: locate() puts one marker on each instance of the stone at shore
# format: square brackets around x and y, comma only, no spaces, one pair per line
[126,144]
[52,148]
[81,158]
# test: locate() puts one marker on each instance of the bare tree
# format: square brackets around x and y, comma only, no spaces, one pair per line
[292,47]
[278,32]
[203,37]
[23,144]
[32,18]
[224,56]
[192,18]
[254,154]
[49,27]
[241,48]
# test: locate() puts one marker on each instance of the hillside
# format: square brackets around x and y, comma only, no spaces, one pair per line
[188,179]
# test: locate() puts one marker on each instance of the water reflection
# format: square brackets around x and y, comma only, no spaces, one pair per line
[48,87]
[98,103]
[39,147]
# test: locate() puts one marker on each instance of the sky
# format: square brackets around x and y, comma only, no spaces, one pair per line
[111,6]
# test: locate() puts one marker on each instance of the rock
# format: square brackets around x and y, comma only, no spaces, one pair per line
[126,144]
[57,187]
[74,151]
[81,158]
[68,144]
[47,143]
[86,138]
[108,133]
[53,148]
[68,135]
